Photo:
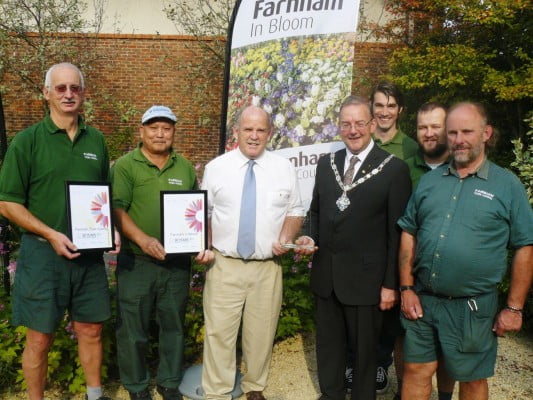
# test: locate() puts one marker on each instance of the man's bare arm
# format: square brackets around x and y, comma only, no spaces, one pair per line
[148,244]
[509,319]
[21,216]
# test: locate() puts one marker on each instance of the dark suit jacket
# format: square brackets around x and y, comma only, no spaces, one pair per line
[358,247]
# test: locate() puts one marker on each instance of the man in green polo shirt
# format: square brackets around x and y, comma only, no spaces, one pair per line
[52,276]
[431,136]
[387,105]
[456,231]
[147,278]
[433,152]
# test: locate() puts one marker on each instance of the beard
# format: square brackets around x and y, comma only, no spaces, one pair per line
[467,157]
[437,151]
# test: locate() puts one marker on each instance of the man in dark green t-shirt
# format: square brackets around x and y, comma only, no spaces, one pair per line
[148,279]
[457,229]
[52,276]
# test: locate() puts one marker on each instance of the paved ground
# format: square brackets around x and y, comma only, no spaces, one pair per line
[293,373]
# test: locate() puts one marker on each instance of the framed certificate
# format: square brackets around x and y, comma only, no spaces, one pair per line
[90,221]
[184,221]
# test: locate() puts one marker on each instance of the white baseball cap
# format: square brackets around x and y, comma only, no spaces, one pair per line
[158,112]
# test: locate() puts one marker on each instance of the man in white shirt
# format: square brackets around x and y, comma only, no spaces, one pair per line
[246,283]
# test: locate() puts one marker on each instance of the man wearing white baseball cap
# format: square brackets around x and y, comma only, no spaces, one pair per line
[149,280]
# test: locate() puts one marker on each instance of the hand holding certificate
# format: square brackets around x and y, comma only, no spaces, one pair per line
[184,221]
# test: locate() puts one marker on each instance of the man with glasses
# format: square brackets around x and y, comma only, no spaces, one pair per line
[360,192]
[52,275]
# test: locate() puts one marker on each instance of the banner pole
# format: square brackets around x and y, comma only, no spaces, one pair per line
[225,90]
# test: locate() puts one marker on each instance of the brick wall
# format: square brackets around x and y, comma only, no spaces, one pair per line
[132,72]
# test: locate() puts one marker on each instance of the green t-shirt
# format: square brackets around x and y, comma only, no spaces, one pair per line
[137,184]
[463,227]
[417,167]
[41,158]
[401,145]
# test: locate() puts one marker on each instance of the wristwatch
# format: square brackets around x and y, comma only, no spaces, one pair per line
[404,288]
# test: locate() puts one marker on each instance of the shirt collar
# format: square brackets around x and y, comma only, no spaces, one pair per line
[482,172]
[138,155]
[362,154]
[51,128]
[396,139]
[244,160]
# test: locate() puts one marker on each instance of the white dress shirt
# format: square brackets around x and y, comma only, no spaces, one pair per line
[361,156]
[278,197]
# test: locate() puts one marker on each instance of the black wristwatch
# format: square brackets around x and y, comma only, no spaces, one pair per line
[404,288]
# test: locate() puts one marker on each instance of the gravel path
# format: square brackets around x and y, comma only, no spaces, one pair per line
[293,373]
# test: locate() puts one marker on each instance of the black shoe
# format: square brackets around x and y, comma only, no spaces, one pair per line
[142,395]
[169,393]
[348,379]
[382,380]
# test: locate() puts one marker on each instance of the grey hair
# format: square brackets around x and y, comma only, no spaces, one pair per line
[48,76]
[357,101]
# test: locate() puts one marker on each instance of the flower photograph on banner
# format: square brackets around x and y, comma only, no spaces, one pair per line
[300,81]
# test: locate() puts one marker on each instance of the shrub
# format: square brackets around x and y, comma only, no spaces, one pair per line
[64,368]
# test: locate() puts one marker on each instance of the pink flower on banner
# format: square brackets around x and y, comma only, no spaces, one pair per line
[194,215]
[99,210]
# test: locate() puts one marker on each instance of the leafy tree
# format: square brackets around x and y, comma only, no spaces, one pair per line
[36,33]
[451,50]
[202,19]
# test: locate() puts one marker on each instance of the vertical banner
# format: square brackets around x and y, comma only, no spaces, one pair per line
[293,58]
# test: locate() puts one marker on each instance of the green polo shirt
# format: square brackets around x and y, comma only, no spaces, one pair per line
[463,227]
[401,145]
[137,183]
[39,161]
[418,167]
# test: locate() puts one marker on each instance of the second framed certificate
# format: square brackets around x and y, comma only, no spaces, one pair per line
[184,221]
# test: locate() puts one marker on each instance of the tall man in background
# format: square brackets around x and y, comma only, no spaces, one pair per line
[254,208]
[148,280]
[456,230]
[387,104]
[52,276]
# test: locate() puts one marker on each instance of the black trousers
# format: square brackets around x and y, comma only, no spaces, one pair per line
[339,326]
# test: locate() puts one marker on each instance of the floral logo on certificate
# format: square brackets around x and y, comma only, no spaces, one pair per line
[100,209]
[194,215]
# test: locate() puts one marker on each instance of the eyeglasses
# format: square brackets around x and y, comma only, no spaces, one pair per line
[346,126]
[74,89]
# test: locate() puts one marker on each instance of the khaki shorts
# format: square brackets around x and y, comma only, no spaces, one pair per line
[458,329]
[47,285]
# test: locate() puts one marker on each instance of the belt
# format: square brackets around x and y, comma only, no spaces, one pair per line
[242,259]
[443,296]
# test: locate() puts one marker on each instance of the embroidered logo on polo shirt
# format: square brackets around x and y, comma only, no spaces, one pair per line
[482,193]
[90,156]
[174,181]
